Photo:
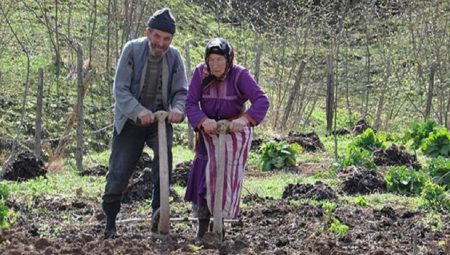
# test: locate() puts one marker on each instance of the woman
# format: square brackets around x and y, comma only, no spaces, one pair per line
[218,91]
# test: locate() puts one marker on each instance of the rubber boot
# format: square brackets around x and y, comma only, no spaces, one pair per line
[111,210]
[203,225]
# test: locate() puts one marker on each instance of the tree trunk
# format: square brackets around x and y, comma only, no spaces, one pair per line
[258,62]
[80,119]
[347,93]
[430,91]
[367,87]
[380,106]
[93,17]
[27,82]
[293,95]
[330,94]
[38,128]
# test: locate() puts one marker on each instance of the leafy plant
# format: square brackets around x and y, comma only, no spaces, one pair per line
[440,171]
[435,196]
[368,140]
[437,144]
[361,201]
[3,209]
[338,228]
[358,157]
[418,132]
[276,155]
[328,207]
[406,180]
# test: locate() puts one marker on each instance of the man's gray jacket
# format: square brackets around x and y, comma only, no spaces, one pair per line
[130,76]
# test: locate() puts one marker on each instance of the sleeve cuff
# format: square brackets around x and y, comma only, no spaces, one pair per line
[250,119]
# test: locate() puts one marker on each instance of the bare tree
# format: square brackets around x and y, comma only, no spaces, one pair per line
[27,79]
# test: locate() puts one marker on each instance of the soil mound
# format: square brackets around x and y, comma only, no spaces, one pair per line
[395,156]
[257,143]
[309,141]
[341,132]
[362,181]
[180,173]
[140,187]
[99,170]
[256,199]
[318,191]
[360,126]
[25,166]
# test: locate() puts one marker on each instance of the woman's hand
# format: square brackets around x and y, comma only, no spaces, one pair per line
[210,126]
[238,124]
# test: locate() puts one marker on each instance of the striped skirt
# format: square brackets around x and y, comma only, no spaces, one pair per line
[237,147]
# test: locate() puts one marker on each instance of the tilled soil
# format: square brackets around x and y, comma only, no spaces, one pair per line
[290,225]
[267,227]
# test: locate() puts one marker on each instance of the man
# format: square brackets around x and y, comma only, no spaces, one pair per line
[150,76]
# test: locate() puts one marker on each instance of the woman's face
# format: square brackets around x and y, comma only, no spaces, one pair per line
[217,64]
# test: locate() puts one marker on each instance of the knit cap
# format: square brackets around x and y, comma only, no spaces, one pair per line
[162,20]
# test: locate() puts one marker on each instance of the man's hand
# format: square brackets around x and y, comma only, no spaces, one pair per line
[147,117]
[210,126]
[238,124]
[175,115]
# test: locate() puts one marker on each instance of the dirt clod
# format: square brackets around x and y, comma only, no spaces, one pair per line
[318,191]
[395,156]
[180,173]
[309,141]
[362,181]
[26,166]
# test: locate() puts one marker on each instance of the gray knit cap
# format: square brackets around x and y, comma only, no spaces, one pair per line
[162,20]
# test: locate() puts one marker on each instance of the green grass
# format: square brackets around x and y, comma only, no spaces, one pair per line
[66,184]
[379,200]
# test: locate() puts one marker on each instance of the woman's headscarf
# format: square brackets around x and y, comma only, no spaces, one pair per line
[222,47]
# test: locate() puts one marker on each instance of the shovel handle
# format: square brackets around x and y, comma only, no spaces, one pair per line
[223,126]
[164,217]
[161,115]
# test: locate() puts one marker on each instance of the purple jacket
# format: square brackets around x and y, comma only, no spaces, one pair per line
[225,99]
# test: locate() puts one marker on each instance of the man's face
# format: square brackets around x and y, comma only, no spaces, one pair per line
[160,40]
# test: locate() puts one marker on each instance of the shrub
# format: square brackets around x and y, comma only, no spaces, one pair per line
[276,155]
[440,171]
[437,144]
[358,157]
[3,209]
[419,131]
[406,180]
[361,201]
[435,196]
[368,140]
[338,228]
